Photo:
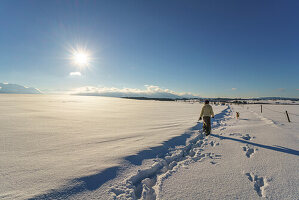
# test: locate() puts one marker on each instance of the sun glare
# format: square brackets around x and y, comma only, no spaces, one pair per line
[80,57]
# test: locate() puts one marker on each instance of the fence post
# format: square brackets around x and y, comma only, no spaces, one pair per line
[261,108]
[288,116]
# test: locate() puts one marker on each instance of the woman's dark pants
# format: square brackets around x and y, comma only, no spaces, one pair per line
[206,125]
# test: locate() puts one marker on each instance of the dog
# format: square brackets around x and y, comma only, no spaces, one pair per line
[237,115]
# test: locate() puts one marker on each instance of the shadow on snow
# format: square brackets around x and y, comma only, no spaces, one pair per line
[160,151]
[95,181]
[274,148]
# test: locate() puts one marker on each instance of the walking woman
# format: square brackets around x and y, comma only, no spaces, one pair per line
[206,113]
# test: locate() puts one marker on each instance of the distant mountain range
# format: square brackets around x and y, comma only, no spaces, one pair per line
[256,99]
[278,98]
[159,95]
[216,99]
[8,88]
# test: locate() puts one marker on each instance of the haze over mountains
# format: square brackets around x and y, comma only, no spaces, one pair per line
[9,88]
[150,91]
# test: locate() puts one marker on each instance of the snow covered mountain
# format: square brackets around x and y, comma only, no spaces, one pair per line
[17,89]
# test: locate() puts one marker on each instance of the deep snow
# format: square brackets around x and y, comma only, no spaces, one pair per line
[257,157]
[68,145]
[76,147]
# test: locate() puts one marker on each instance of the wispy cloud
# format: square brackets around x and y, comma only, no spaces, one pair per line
[75,74]
[297,89]
[234,88]
[149,91]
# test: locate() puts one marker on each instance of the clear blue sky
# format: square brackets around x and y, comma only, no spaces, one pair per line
[203,47]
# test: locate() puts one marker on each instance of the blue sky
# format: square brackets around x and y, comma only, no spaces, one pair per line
[204,47]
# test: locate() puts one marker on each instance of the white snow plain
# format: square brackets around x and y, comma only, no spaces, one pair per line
[255,157]
[61,146]
[78,147]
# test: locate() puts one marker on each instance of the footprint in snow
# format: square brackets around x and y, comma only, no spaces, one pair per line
[259,183]
[243,136]
[214,143]
[246,137]
[249,150]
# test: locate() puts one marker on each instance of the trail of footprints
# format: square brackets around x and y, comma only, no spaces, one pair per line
[259,182]
[248,149]
[143,184]
[146,183]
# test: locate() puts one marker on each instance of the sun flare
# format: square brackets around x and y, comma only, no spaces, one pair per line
[80,57]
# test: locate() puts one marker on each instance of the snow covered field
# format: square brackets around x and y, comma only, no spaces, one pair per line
[53,142]
[80,147]
[257,157]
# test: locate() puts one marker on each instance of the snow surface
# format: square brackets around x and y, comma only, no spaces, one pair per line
[78,147]
[257,157]
[60,145]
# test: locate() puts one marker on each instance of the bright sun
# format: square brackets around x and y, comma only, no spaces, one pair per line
[80,57]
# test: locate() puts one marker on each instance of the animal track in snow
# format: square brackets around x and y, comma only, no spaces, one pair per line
[235,134]
[246,137]
[142,185]
[249,149]
[214,143]
[146,183]
[243,136]
[259,183]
